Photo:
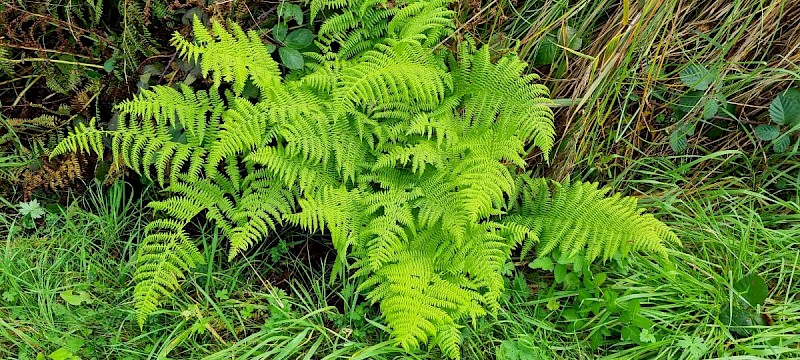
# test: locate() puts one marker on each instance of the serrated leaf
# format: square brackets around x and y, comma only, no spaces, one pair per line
[687,102]
[785,108]
[544,263]
[553,304]
[781,144]
[646,337]
[546,51]
[710,108]
[767,132]
[697,77]
[291,58]
[299,39]
[279,31]
[678,142]
[32,209]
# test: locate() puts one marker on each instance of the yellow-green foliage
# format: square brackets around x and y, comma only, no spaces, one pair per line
[405,154]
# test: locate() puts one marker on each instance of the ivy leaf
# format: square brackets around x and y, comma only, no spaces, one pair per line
[299,39]
[279,31]
[544,263]
[767,132]
[752,288]
[785,108]
[291,58]
[697,77]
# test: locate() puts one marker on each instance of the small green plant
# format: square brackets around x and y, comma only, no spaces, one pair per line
[703,100]
[291,42]
[408,155]
[784,113]
[31,211]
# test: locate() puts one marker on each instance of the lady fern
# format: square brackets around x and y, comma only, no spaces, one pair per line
[407,155]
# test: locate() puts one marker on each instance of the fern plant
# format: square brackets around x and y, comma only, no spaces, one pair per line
[408,155]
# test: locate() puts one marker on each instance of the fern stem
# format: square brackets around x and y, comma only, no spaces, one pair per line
[56,61]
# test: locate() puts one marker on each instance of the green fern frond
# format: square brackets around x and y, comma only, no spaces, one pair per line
[230,56]
[84,138]
[164,256]
[578,217]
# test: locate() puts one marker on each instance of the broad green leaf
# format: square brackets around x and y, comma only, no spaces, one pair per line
[279,31]
[560,273]
[767,132]
[544,263]
[553,304]
[522,349]
[752,288]
[62,354]
[297,13]
[736,319]
[785,108]
[630,333]
[76,299]
[299,39]
[291,58]
[108,66]
[548,48]
[546,51]
[697,77]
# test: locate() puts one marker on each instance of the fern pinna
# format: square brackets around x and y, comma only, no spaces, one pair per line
[408,155]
